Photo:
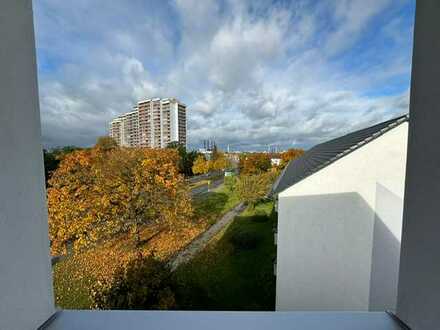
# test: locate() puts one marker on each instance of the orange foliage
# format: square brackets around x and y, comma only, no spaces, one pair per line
[98,193]
[220,162]
[290,154]
[95,267]
[203,166]
[255,163]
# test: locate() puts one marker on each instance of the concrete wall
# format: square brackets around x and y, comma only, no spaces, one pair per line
[328,222]
[419,282]
[386,250]
[25,276]
[323,259]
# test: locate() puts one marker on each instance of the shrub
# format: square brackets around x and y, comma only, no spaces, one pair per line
[144,283]
[230,182]
[245,239]
[260,217]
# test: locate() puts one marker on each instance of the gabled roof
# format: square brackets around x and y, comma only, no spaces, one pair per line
[328,152]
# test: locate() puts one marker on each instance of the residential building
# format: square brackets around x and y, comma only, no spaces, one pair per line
[125,129]
[340,212]
[154,123]
[275,161]
[115,130]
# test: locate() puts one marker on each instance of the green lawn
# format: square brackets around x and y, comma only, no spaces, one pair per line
[211,206]
[235,272]
[71,290]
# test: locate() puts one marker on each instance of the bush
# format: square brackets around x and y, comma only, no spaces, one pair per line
[245,239]
[260,217]
[230,182]
[144,283]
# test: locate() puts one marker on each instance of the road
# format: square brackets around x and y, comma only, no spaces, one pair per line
[201,177]
[204,188]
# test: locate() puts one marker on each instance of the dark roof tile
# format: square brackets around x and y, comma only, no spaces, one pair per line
[326,153]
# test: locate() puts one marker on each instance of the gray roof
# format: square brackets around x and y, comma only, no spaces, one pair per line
[328,152]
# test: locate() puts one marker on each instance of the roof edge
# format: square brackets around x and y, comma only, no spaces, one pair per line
[397,122]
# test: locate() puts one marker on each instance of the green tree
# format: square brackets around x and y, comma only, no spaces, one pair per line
[52,159]
[253,188]
[230,182]
[50,163]
[187,158]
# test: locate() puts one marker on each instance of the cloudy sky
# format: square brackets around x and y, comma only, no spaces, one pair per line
[253,72]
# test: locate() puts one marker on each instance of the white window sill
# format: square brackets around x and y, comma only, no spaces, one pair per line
[166,320]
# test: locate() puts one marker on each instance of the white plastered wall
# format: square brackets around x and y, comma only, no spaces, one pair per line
[174,121]
[339,231]
[26,299]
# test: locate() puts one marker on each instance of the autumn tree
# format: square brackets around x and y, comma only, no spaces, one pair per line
[106,143]
[220,163]
[146,186]
[201,165]
[70,190]
[288,155]
[255,163]
[252,188]
[103,191]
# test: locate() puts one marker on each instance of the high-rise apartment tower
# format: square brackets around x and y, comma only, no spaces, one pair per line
[154,123]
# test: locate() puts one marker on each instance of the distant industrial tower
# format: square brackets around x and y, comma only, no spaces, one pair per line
[209,145]
[154,123]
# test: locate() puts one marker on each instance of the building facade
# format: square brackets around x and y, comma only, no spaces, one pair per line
[340,223]
[154,123]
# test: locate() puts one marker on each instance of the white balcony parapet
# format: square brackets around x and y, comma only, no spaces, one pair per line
[191,320]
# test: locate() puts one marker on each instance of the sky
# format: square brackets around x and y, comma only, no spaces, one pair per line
[254,73]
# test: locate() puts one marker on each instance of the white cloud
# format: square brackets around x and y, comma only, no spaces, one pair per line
[351,17]
[239,49]
[252,73]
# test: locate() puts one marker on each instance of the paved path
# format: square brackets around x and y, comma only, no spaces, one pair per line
[203,239]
